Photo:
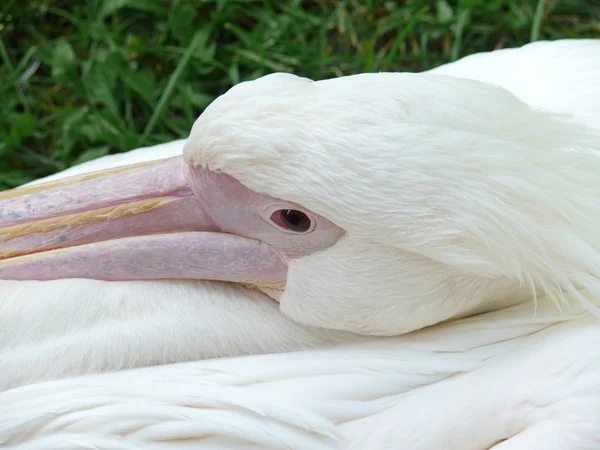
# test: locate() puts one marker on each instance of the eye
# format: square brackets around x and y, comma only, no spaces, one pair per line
[292,220]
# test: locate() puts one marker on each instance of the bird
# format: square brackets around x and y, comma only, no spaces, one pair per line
[442,225]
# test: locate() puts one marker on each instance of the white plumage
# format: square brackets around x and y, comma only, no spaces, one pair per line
[89,326]
[525,376]
[295,400]
[558,76]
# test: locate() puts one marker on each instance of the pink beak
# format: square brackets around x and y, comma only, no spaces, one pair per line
[147,221]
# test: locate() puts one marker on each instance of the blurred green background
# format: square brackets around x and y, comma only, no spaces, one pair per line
[81,79]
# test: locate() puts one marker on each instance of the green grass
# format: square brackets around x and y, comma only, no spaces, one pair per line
[80,79]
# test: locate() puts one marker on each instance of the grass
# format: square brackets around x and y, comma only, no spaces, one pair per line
[81,79]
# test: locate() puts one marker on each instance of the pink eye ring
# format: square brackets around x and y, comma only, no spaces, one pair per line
[292,220]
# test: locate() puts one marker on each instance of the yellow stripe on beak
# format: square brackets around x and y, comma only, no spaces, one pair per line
[73,220]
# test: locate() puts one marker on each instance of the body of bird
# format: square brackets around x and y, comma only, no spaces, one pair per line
[449,304]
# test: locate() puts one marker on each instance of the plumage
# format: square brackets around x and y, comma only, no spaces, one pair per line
[474,201]
[90,326]
[533,73]
[294,400]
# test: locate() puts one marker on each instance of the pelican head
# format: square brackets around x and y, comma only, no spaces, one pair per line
[374,203]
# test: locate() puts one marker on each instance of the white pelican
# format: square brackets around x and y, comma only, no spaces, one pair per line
[474,200]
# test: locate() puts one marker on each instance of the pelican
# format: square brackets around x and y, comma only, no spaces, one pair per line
[427,240]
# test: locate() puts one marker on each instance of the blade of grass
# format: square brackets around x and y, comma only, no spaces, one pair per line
[390,57]
[461,22]
[537,21]
[9,65]
[199,38]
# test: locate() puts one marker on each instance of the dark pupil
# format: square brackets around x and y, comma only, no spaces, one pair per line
[295,220]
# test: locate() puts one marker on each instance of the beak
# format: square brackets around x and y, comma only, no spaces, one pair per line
[146,221]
